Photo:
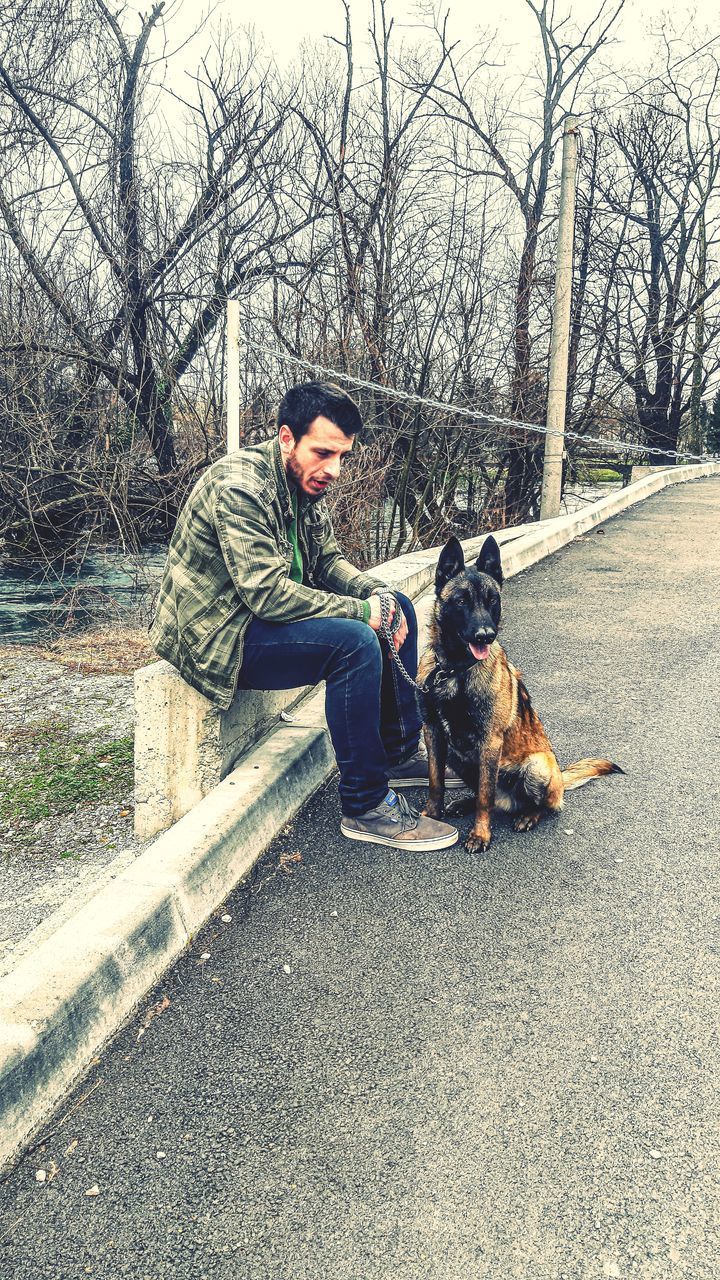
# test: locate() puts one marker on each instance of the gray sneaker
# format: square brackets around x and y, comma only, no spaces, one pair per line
[414,773]
[395,823]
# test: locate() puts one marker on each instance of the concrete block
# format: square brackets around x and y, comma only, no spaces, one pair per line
[71,993]
[639,471]
[184,746]
[217,843]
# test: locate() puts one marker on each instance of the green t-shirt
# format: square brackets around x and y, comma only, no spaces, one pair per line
[297,568]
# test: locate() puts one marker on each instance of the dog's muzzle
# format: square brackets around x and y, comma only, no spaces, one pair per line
[479,646]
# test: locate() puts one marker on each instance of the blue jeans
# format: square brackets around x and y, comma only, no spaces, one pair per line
[372,713]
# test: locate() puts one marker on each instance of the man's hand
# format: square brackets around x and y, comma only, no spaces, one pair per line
[375,619]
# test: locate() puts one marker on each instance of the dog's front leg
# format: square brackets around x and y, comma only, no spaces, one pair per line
[436,743]
[489,764]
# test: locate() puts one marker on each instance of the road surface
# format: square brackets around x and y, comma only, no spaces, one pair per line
[447,1067]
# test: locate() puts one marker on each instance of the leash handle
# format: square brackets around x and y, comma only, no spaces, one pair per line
[389,628]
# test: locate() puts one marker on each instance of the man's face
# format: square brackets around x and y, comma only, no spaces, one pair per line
[314,461]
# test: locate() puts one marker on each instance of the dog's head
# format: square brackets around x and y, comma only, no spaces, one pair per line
[468,600]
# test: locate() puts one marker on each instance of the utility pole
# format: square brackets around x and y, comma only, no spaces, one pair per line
[696,429]
[232,376]
[557,389]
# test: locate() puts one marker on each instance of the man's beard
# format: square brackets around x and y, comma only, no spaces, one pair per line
[295,475]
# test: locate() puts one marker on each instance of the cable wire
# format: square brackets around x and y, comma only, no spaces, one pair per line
[489,419]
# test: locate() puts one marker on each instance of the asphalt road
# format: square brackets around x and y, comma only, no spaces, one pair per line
[448,1067]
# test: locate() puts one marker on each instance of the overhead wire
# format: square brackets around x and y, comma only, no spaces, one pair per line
[453,410]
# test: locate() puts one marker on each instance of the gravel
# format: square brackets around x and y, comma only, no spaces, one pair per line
[49,866]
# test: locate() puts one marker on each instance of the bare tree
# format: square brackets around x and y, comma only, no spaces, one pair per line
[134,237]
[519,153]
[395,290]
[661,222]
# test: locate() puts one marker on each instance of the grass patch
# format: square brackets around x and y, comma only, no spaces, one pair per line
[111,651]
[603,475]
[67,776]
[27,735]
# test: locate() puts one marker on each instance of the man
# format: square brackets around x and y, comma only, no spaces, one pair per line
[256,595]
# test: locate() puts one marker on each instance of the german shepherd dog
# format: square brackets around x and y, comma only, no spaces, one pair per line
[477,712]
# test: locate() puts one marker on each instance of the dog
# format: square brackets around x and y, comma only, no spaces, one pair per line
[477,712]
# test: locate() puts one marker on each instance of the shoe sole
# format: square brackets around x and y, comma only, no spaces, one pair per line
[451,784]
[422,846]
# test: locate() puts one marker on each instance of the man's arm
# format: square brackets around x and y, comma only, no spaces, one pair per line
[334,573]
[259,571]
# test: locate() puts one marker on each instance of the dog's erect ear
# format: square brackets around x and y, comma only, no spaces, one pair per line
[451,562]
[489,560]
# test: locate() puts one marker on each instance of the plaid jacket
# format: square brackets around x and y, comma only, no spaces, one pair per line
[229,561]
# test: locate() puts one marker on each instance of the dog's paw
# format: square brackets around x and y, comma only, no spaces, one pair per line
[478,843]
[433,811]
[526,821]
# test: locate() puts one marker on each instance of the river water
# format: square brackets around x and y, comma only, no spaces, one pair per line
[106,587]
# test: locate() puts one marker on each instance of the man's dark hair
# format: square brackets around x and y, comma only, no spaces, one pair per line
[302,404]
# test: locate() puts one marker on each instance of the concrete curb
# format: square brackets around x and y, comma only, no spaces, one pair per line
[82,982]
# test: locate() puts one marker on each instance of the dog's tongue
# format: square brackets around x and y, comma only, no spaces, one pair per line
[479,651]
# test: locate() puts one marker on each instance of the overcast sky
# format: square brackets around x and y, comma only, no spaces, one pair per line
[284,24]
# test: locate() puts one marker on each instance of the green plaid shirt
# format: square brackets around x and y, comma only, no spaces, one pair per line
[229,560]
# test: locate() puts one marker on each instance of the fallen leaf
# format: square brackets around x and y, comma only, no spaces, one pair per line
[52,1170]
[154,1012]
[69,1150]
[93,1191]
[124,813]
[290,860]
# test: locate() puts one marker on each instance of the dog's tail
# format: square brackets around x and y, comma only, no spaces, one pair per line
[576,775]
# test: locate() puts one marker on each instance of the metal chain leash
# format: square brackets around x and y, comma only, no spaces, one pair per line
[389,628]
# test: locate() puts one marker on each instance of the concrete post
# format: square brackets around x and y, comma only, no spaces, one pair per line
[232,376]
[557,389]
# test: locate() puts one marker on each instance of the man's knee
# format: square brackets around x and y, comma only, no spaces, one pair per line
[358,641]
